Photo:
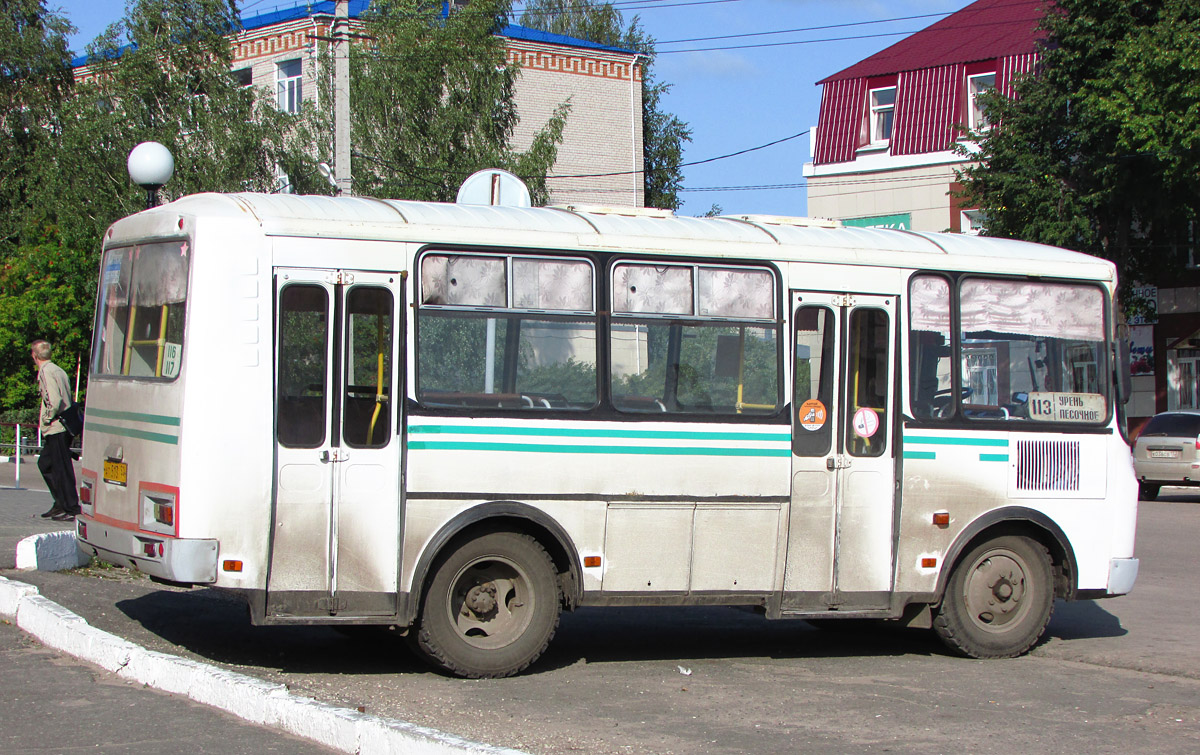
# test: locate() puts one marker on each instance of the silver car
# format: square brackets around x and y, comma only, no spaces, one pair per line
[1167,452]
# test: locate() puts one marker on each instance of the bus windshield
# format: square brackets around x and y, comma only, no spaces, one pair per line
[139,320]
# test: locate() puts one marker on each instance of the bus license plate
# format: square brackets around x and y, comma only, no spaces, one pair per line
[116,472]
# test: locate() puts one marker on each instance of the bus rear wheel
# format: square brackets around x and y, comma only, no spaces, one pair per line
[998,601]
[491,608]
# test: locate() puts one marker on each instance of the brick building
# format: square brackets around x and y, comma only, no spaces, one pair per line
[603,133]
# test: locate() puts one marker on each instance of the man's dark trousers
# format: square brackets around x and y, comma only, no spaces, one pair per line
[55,465]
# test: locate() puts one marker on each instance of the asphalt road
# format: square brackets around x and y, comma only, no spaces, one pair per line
[1118,676]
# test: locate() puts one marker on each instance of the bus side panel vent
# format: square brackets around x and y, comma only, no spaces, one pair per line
[1047,465]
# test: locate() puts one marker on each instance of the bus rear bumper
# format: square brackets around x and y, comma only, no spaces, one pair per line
[1122,573]
[192,561]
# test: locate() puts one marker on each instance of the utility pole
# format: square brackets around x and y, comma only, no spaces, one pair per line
[341,97]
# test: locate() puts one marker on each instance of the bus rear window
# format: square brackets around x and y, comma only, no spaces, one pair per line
[140,310]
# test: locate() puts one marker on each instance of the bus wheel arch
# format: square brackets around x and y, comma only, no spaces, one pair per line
[998,594]
[503,516]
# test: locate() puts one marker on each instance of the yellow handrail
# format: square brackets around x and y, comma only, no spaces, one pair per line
[129,339]
[380,398]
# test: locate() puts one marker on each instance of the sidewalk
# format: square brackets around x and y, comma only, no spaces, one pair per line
[20,509]
[284,715]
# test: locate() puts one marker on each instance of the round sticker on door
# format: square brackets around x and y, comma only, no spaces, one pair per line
[866,422]
[812,415]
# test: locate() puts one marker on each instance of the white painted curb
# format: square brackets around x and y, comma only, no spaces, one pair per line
[244,696]
[50,551]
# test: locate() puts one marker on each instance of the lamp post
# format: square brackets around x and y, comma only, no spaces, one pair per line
[150,166]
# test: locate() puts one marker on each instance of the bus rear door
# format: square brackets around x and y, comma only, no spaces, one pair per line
[335,539]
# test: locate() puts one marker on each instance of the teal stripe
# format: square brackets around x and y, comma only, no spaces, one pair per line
[583,432]
[127,432]
[157,419]
[920,455]
[993,457]
[936,441]
[441,445]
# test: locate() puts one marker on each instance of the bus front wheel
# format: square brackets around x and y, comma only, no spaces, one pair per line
[491,608]
[998,600]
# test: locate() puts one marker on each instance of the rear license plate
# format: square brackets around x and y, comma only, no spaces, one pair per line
[1164,453]
[116,472]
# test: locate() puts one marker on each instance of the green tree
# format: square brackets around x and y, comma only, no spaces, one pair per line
[1100,151]
[35,78]
[161,74]
[433,102]
[663,134]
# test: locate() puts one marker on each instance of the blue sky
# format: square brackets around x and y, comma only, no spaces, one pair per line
[734,97]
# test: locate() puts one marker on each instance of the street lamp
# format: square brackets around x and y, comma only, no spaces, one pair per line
[150,166]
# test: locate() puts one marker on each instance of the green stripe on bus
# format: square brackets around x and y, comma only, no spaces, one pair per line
[440,445]
[993,457]
[920,455]
[582,432]
[157,419]
[126,432]
[936,441]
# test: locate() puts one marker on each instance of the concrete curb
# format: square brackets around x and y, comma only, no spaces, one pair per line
[50,551]
[254,700]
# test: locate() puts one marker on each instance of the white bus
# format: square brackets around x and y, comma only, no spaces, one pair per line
[459,420]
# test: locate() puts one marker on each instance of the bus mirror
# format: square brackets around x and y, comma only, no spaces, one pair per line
[1124,371]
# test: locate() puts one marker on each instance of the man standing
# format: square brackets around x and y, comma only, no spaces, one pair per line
[55,459]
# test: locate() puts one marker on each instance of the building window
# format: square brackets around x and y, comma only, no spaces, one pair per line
[977,85]
[290,85]
[243,77]
[883,112]
[973,222]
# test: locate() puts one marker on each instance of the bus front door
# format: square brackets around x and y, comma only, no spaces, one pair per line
[335,534]
[840,536]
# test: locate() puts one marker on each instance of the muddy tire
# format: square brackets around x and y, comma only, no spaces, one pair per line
[491,607]
[998,601]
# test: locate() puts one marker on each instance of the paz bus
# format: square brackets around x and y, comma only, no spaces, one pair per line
[461,420]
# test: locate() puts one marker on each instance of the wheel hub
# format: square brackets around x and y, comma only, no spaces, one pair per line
[481,599]
[995,590]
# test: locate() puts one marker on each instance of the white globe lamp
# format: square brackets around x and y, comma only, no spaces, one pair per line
[150,166]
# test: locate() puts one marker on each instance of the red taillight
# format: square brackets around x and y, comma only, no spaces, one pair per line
[1198,442]
[85,493]
[83,530]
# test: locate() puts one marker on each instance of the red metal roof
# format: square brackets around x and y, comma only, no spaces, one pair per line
[983,30]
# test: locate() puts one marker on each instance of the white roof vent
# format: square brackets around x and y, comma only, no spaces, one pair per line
[787,220]
[631,212]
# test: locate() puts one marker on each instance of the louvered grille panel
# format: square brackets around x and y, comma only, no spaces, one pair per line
[1047,465]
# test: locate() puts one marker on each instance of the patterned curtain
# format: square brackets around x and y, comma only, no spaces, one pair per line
[1047,310]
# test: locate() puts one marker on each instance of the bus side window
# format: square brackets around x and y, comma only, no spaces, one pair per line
[303,365]
[929,348]
[812,396]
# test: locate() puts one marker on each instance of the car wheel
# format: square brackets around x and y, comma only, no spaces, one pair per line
[1148,492]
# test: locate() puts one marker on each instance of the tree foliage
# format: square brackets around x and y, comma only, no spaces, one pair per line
[663,134]
[433,102]
[160,74]
[35,78]
[1100,151]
